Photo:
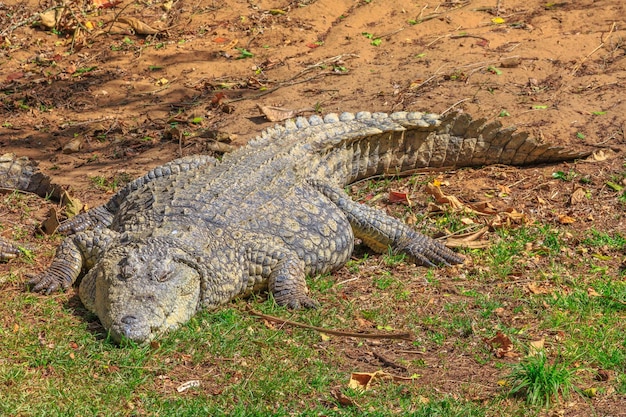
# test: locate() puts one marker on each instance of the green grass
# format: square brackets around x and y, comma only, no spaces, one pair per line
[540,382]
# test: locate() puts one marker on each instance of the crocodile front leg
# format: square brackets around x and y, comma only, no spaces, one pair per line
[379,231]
[7,250]
[285,274]
[77,252]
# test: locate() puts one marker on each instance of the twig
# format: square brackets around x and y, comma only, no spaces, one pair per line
[345,281]
[429,79]
[284,84]
[453,106]
[87,122]
[31,19]
[388,362]
[386,35]
[577,67]
[401,336]
[116,18]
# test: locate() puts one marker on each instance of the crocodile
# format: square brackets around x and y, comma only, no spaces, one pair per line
[196,232]
[23,174]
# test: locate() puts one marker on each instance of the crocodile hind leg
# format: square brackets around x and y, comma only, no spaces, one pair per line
[102,216]
[77,252]
[379,231]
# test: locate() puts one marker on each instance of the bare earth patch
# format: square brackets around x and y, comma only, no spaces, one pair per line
[99,107]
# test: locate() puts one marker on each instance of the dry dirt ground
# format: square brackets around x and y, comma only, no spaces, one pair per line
[98,107]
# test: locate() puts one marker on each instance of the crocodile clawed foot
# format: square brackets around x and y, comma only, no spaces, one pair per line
[47,282]
[300,302]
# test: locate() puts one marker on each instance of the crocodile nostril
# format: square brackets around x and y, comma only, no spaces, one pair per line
[129,320]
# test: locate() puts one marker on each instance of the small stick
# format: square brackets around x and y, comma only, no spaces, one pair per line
[402,336]
[388,362]
[577,67]
[453,106]
[386,35]
[27,21]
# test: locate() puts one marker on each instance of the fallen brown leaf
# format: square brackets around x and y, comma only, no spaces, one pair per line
[342,399]
[538,289]
[364,380]
[51,224]
[399,197]
[501,346]
[442,198]
[536,346]
[73,205]
[138,26]
[578,196]
[278,114]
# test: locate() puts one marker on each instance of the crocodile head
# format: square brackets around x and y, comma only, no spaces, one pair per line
[143,288]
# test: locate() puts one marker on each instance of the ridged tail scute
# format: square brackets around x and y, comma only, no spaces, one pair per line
[382,143]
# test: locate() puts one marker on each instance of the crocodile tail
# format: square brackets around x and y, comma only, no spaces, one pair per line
[22,174]
[404,141]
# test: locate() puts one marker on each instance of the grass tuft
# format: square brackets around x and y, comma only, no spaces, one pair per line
[540,381]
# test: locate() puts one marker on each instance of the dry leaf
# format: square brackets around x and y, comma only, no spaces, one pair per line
[105,4]
[537,289]
[138,26]
[503,190]
[363,323]
[468,240]
[441,198]
[51,224]
[501,345]
[536,346]
[342,399]
[603,375]
[565,219]
[364,380]
[578,196]
[592,293]
[73,205]
[278,114]
[269,324]
[399,197]
[599,156]
[49,19]
[484,207]
[73,145]
[460,243]
[229,46]
[515,215]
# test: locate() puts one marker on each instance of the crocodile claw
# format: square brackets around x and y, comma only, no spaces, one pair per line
[298,303]
[48,282]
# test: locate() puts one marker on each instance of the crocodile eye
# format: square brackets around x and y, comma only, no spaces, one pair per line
[126,269]
[162,276]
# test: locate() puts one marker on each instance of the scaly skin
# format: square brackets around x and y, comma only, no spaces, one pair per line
[197,233]
[7,250]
